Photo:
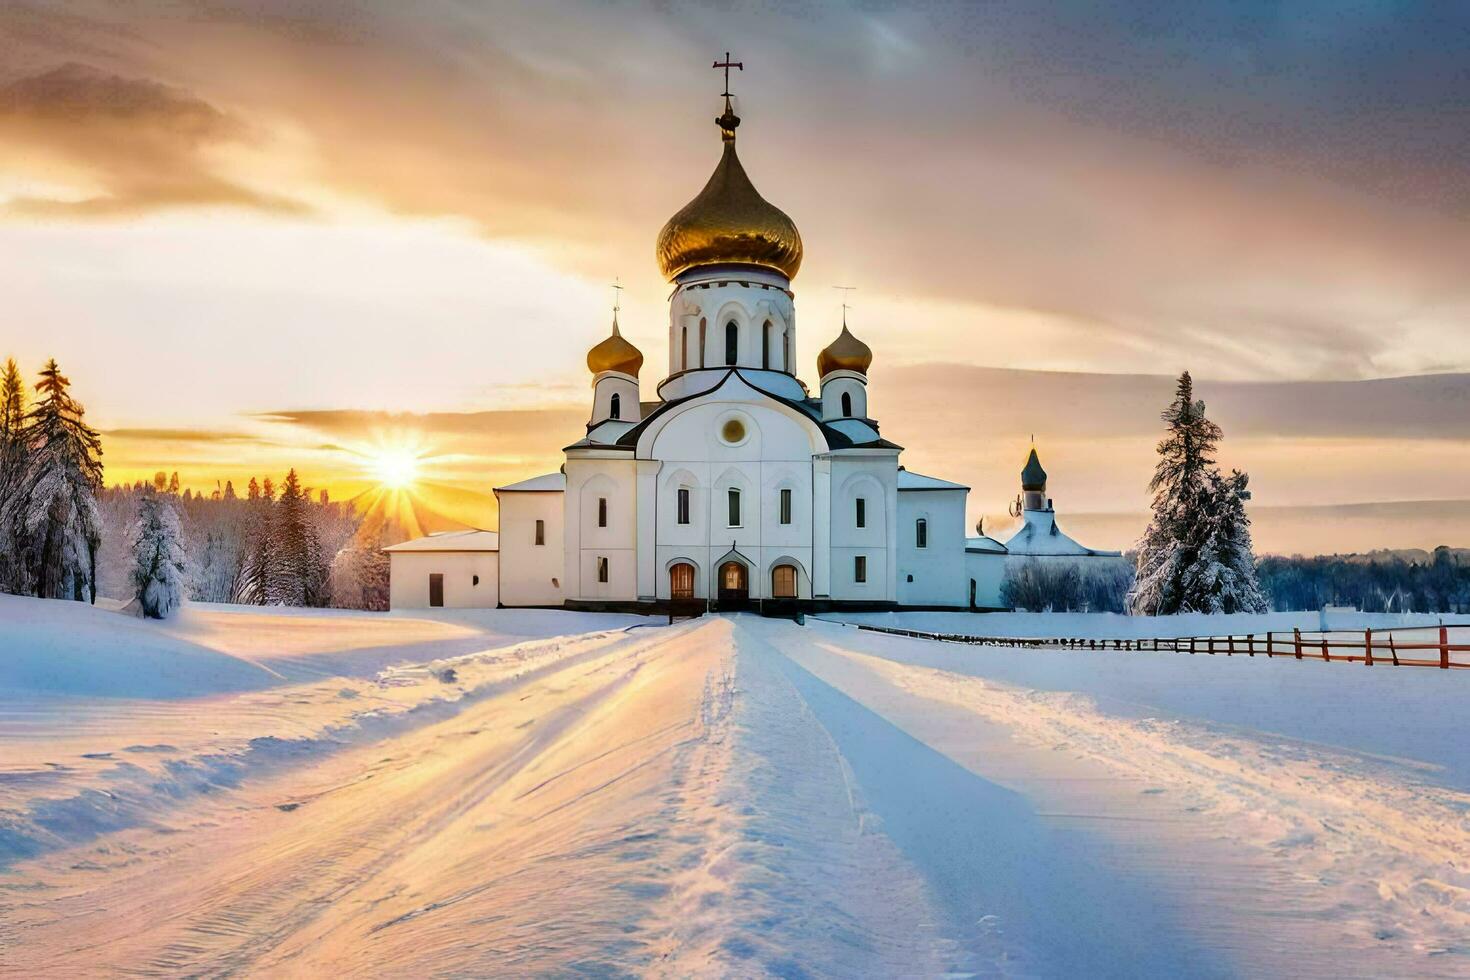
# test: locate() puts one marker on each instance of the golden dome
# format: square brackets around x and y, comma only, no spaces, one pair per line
[729,222]
[615,354]
[846,353]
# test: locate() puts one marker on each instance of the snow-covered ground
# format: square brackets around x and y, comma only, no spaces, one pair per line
[510,793]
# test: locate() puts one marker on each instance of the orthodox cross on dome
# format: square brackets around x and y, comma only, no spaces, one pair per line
[727,121]
[727,64]
[617,285]
[847,292]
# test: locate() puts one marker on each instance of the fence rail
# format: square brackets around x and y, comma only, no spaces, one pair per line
[1399,646]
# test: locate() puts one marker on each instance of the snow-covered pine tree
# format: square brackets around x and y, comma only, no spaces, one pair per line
[1225,572]
[229,490]
[252,584]
[158,557]
[51,511]
[13,451]
[296,577]
[173,483]
[1182,502]
[252,492]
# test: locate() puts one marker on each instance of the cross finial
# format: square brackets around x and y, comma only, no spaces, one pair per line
[846,295]
[727,64]
[617,286]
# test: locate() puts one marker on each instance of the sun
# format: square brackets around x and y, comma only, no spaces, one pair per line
[396,469]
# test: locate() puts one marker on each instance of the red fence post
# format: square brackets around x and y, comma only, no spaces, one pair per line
[1324,649]
[1368,646]
[1297,635]
[1444,635]
[1250,643]
[1393,650]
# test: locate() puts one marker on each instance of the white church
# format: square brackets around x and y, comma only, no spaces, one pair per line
[730,485]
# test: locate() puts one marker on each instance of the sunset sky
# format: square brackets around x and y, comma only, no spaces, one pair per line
[261,235]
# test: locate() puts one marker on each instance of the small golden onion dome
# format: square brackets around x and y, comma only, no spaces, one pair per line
[729,222]
[615,354]
[846,353]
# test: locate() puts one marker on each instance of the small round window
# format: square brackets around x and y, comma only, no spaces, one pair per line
[733,431]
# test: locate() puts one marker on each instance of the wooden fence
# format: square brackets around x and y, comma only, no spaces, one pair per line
[1399,646]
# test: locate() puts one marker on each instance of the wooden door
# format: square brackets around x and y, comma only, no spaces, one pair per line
[436,589]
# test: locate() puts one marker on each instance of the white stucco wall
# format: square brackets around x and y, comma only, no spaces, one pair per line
[409,578]
[531,574]
[874,477]
[750,298]
[588,479]
[938,571]
[987,570]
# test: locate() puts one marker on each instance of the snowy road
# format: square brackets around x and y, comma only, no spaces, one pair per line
[729,796]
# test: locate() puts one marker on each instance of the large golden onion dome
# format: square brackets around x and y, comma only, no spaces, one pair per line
[846,353]
[615,354]
[729,222]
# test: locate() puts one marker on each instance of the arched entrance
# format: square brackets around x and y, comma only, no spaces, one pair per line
[783,582]
[681,581]
[734,591]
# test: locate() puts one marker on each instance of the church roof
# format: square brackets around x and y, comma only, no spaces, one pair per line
[984,545]
[810,407]
[472,539]
[545,483]
[1040,537]
[918,481]
[846,353]
[615,353]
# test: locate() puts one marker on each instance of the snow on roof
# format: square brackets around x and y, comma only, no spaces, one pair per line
[1040,536]
[546,482]
[985,544]
[470,540]
[918,481]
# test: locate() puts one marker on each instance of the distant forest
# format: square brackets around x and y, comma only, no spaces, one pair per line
[1380,581]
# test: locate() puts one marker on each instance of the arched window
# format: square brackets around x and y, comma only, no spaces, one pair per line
[766,344]
[684,349]
[683,505]
[783,582]
[786,351]
[615,409]
[732,342]
[921,533]
[846,404]
[734,502]
[701,342]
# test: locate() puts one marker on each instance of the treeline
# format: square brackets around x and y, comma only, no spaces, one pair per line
[1383,582]
[272,545]
[63,536]
[1067,585]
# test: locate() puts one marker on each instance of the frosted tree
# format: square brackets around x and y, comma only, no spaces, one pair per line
[1167,580]
[158,557]
[1225,573]
[50,511]
[297,574]
[13,451]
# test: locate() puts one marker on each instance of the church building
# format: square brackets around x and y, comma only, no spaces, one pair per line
[732,482]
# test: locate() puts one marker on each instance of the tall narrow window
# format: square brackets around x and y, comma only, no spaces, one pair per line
[684,349]
[683,505]
[601,569]
[921,533]
[541,532]
[602,512]
[734,499]
[701,341]
[732,342]
[860,568]
[847,404]
[786,351]
[861,514]
[785,506]
[615,409]
[766,345]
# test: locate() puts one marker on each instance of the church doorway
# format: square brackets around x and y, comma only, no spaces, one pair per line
[681,582]
[783,582]
[734,586]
